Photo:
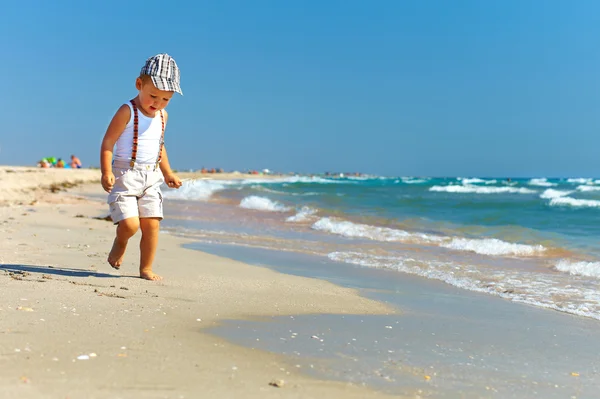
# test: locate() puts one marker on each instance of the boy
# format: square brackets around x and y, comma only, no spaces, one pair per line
[133,177]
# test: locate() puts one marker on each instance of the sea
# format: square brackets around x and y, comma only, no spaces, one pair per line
[531,240]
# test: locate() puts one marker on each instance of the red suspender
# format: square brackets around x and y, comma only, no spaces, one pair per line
[162,138]
[135,135]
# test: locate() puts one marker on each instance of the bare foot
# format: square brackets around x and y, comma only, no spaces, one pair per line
[115,257]
[149,275]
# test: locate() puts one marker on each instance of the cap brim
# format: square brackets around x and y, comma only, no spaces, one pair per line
[166,85]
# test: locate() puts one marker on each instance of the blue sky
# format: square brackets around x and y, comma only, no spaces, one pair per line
[465,87]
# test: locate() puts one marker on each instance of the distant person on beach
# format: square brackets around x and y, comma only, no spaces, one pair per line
[47,162]
[140,163]
[75,162]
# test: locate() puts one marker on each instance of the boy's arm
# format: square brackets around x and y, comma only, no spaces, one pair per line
[165,167]
[113,132]
[170,178]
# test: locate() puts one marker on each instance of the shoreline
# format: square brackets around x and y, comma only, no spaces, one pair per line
[447,342]
[73,327]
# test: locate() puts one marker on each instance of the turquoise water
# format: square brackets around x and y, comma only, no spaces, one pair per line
[527,240]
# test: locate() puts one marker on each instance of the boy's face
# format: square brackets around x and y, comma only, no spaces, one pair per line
[151,98]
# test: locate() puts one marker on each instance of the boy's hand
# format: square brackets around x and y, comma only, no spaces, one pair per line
[172,180]
[108,181]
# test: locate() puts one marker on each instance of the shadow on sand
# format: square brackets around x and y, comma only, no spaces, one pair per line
[55,270]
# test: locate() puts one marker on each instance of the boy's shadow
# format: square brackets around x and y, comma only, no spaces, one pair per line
[55,270]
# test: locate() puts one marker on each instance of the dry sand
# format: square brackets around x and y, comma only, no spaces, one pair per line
[71,327]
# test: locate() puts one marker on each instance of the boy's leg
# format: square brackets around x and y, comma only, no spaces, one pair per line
[122,201]
[125,230]
[148,244]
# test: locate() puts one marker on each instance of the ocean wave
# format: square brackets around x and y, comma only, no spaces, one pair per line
[264,189]
[586,187]
[551,193]
[410,180]
[475,180]
[303,215]
[541,182]
[196,189]
[357,230]
[277,192]
[467,189]
[318,180]
[287,180]
[492,246]
[366,177]
[579,180]
[293,180]
[574,202]
[262,204]
[510,183]
[531,288]
[485,246]
[587,269]
[203,189]
[306,194]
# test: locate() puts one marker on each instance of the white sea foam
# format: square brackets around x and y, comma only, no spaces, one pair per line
[551,193]
[349,229]
[303,179]
[579,180]
[287,179]
[196,189]
[586,187]
[410,180]
[536,289]
[542,182]
[316,179]
[303,215]
[588,269]
[493,246]
[509,183]
[262,204]
[264,189]
[487,246]
[574,202]
[482,190]
[366,177]
[467,180]
[475,180]
[200,189]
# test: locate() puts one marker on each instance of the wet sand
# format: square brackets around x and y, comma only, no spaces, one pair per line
[447,343]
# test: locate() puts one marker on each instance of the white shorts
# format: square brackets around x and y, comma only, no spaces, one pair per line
[136,193]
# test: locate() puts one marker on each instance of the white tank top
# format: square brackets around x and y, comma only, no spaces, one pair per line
[149,133]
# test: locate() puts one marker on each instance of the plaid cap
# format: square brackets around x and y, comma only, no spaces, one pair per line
[163,71]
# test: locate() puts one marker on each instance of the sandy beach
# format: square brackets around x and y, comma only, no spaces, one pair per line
[244,320]
[72,327]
